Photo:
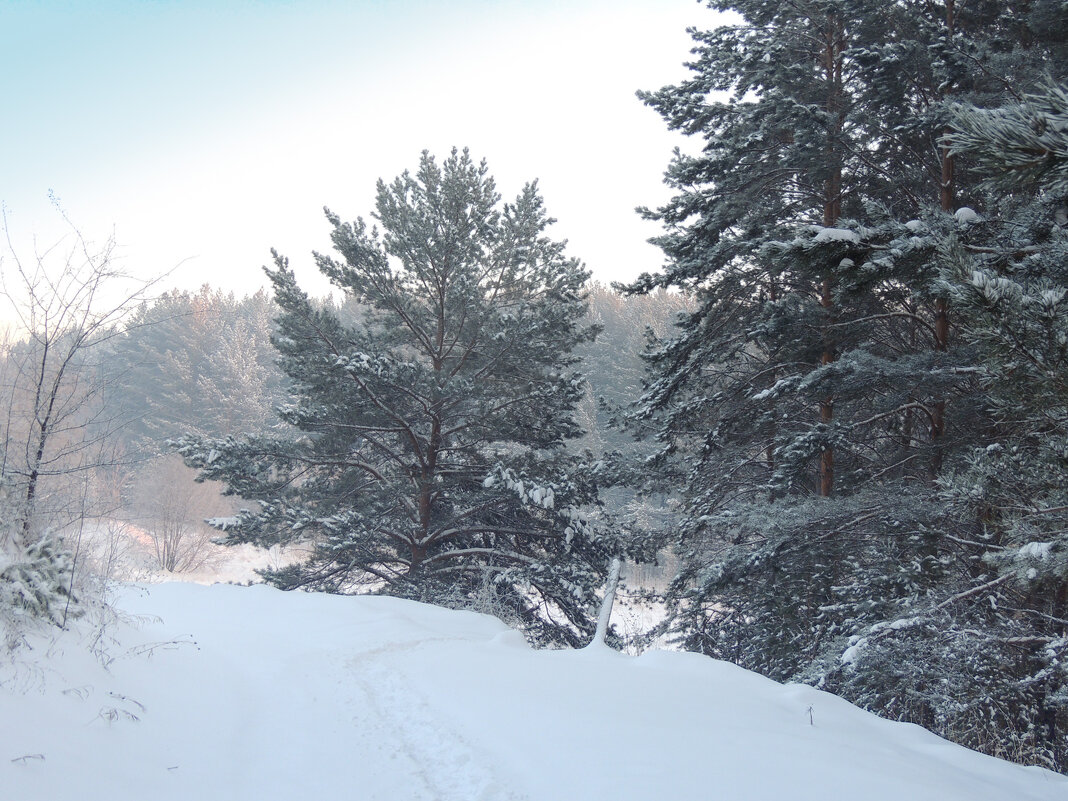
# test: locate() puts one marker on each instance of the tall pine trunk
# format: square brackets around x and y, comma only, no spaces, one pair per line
[769,452]
[947,201]
[832,210]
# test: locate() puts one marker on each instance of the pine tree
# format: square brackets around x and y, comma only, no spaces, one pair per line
[978,654]
[824,390]
[756,396]
[1018,146]
[1012,294]
[426,457]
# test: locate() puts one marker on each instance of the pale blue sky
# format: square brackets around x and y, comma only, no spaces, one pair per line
[205,133]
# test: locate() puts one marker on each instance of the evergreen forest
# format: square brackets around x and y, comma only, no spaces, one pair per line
[827,437]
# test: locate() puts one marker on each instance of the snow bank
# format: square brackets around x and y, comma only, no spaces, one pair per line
[253,693]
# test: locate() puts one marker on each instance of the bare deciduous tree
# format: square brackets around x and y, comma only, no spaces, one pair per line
[63,303]
[171,506]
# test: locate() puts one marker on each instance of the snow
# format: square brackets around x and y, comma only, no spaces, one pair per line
[900,623]
[1051,297]
[834,234]
[227,692]
[223,523]
[1035,550]
[857,643]
[965,215]
[850,654]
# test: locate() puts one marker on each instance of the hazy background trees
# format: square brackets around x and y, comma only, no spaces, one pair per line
[197,362]
[172,508]
[612,364]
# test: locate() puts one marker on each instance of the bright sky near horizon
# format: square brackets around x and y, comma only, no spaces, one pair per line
[204,133]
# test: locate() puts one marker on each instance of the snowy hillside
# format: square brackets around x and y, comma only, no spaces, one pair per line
[237,693]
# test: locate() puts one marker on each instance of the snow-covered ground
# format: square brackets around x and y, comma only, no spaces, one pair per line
[228,692]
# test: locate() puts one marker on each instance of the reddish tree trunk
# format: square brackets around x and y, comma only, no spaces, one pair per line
[947,201]
[832,209]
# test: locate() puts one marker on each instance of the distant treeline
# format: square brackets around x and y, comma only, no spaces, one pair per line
[202,362]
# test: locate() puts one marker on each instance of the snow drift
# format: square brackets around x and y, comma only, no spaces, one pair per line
[228,692]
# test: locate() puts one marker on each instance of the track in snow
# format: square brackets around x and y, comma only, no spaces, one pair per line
[444,767]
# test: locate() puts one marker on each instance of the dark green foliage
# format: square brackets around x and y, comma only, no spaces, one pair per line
[35,577]
[861,335]
[37,584]
[1025,143]
[423,454]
